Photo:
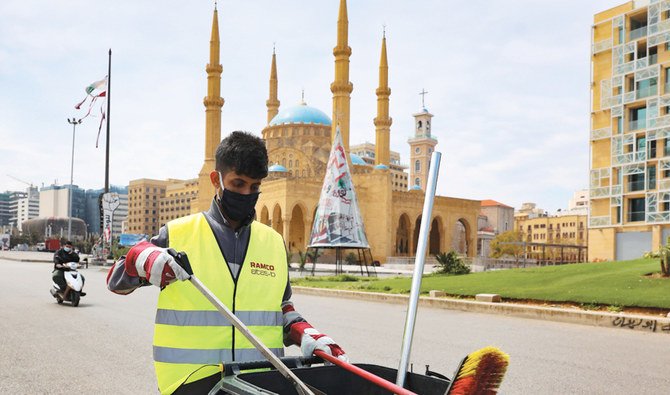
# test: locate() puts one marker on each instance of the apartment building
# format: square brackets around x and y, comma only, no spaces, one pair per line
[629,189]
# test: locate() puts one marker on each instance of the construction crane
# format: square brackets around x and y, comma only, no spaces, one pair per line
[20,180]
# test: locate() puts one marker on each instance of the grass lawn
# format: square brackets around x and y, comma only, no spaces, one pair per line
[606,283]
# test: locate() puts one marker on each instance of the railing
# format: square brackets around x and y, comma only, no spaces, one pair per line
[658,217]
[617,190]
[635,216]
[601,133]
[600,221]
[600,192]
[634,186]
[653,59]
[636,125]
[602,45]
[651,90]
[637,33]
[664,185]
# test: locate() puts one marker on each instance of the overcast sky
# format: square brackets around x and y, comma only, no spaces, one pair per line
[508,83]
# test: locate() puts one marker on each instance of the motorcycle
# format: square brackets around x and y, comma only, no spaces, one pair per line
[72,292]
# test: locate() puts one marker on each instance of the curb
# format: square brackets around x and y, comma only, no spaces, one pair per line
[624,321]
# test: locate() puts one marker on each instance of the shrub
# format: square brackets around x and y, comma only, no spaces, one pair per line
[451,263]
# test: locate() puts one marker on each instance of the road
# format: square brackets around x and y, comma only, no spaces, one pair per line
[104,345]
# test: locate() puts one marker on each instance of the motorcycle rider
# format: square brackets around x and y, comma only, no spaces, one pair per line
[62,257]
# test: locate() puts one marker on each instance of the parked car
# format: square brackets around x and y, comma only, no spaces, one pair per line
[41,247]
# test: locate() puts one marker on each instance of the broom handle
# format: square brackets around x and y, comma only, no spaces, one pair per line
[387,385]
[419,261]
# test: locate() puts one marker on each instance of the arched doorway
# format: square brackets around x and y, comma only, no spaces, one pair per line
[415,237]
[434,239]
[459,240]
[402,236]
[277,222]
[296,238]
[265,216]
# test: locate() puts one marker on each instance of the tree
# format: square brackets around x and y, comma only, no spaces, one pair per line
[451,263]
[665,259]
[508,244]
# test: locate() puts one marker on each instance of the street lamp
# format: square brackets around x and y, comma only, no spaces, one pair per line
[74,122]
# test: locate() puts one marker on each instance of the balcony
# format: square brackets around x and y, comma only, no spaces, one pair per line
[650,90]
[637,33]
[635,186]
[635,216]
[600,221]
[637,125]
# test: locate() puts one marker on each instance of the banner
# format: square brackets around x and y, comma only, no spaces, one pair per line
[338,220]
[130,239]
[110,202]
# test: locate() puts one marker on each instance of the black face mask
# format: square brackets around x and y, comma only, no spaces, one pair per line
[237,206]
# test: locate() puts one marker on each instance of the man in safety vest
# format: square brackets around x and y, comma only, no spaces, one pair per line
[242,261]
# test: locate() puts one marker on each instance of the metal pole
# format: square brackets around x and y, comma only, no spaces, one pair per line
[109,101]
[74,122]
[419,261]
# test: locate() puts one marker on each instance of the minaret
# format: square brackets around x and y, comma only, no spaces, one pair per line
[341,87]
[421,147]
[273,102]
[213,103]
[383,120]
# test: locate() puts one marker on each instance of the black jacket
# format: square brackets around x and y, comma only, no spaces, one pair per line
[61,257]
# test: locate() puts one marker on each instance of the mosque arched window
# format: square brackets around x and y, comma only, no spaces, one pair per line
[283,162]
[419,124]
[417,165]
[417,181]
[290,163]
[297,163]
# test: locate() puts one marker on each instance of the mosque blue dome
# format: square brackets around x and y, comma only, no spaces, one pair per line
[277,169]
[302,113]
[415,188]
[382,167]
[357,160]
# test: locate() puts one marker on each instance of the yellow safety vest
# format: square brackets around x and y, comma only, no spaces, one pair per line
[189,332]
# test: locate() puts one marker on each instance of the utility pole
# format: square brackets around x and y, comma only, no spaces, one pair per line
[74,122]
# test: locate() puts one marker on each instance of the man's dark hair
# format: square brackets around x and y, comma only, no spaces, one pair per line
[243,153]
[68,243]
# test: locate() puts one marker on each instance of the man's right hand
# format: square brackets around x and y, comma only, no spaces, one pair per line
[154,264]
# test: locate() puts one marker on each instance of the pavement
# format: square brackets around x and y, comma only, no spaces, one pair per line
[659,324]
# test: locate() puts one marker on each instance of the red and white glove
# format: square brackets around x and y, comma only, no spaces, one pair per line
[153,263]
[310,339]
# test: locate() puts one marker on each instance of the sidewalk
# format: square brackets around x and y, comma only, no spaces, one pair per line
[622,321]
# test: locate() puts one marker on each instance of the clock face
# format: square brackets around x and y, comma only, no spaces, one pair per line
[417,150]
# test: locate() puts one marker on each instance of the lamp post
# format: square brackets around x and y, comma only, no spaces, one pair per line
[74,122]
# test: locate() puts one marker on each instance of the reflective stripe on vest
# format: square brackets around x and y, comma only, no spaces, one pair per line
[214,318]
[189,332]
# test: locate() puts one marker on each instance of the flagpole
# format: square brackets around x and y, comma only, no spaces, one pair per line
[109,100]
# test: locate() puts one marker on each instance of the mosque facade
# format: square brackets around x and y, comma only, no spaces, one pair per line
[299,138]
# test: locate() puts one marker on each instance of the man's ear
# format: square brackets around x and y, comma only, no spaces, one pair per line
[214,178]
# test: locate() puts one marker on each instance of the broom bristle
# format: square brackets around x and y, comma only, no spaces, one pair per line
[481,373]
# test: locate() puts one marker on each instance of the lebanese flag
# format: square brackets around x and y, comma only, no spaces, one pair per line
[94,90]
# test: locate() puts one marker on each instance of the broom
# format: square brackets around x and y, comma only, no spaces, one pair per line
[480,373]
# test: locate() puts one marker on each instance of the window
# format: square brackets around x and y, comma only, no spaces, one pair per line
[646,88]
[419,124]
[636,210]
[651,177]
[652,149]
[638,118]
[417,150]
[417,181]
[417,165]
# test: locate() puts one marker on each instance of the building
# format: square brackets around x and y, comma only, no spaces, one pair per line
[5,214]
[55,202]
[299,138]
[630,131]
[554,238]
[529,210]
[495,218]
[152,203]
[24,206]
[144,196]
[578,204]
[177,200]
[366,152]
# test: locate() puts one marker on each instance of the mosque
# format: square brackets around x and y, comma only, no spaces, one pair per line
[299,139]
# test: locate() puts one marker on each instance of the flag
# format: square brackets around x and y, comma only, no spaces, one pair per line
[95,91]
